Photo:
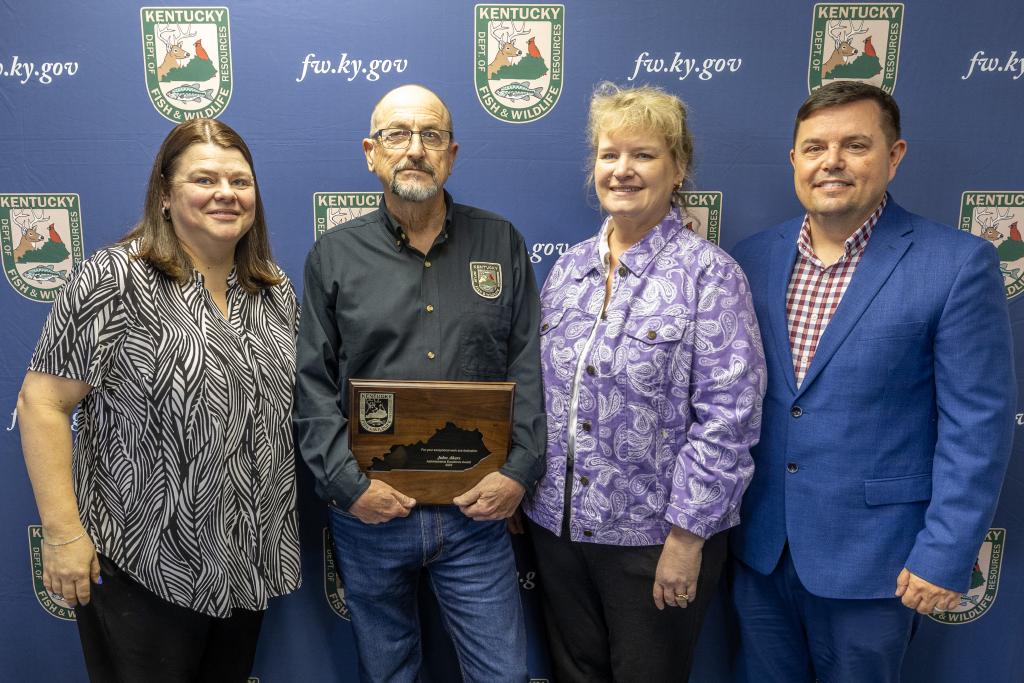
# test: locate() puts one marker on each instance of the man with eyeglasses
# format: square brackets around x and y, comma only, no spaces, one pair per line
[426,289]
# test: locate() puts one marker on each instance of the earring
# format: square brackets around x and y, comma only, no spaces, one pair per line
[166,214]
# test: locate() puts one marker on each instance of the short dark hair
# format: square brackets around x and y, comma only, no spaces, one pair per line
[846,92]
[158,243]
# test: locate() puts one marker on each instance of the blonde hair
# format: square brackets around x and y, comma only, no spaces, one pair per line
[646,109]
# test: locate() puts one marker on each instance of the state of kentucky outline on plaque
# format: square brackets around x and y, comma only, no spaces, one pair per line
[186,52]
[517,59]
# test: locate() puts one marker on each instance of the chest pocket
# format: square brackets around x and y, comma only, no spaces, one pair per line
[484,345]
[650,343]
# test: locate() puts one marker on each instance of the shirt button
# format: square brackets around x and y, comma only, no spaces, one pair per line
[430,308]
[586,426]
[430,355]
[588,533]
[544,327]
[590,370]
[622,271]
[584,480]
[792,467]
[426,264]
[651,334]
[796,411]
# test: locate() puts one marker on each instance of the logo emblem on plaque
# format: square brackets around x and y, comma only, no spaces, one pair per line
[376,412]
[486,279]
[41,235]
[518,59]
[998,217]
[186,53]
[855,42]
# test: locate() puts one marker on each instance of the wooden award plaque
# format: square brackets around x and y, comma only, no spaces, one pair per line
[430,440]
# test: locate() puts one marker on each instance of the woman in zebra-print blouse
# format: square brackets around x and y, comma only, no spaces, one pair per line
[171,521]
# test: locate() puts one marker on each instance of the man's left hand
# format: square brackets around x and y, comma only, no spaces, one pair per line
[923,596]
[495,497]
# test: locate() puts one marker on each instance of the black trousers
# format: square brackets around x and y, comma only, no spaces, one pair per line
[129,635]
[601,619]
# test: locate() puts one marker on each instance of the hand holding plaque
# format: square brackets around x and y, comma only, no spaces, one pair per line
[430,440]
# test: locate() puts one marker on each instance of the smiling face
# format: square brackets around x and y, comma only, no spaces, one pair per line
[634,175]
[413,174]
[211,197]
[842,164]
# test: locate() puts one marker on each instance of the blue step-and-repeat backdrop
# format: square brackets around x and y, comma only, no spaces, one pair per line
[88,91]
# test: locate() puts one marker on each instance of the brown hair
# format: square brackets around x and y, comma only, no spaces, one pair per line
[158,244]
[646,109]
[846,92]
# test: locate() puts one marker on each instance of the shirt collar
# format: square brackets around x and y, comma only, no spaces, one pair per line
[853,245]
[640,255]
[398,236]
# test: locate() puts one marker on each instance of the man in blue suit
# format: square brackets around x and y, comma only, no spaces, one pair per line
[888,418]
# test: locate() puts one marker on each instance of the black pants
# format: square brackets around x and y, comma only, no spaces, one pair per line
[601,618]
[129,634]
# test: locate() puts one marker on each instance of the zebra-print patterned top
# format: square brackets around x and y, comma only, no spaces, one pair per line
[183,462]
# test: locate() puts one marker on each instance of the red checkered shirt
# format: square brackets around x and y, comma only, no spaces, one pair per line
[815,290]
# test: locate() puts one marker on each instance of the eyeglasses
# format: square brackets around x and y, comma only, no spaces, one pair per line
[400,138]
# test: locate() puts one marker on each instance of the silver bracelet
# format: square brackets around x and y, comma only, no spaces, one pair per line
[67,542]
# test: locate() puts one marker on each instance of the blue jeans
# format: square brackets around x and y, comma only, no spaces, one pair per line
[473,573]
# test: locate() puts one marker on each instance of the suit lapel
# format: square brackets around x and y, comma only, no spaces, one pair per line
[782,258]
[890,239]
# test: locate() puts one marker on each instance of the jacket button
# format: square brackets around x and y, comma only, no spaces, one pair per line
[591,370]
[792,467]
[588,533]
[796,411]
[586,426]
[584,480]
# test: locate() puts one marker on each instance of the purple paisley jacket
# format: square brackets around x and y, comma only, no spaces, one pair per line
[655,404]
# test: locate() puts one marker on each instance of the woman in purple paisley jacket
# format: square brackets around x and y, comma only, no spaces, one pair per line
[653,381]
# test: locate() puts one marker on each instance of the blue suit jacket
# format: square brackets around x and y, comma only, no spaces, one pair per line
[892,451]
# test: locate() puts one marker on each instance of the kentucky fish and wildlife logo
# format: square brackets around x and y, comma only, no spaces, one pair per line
[702,214]
[855,42]
[331,209]
[998,217]
[518,59]
[41,236]
[984,582]
[187,55]
[334,591]
[485,278]
[376,412]
[47,600]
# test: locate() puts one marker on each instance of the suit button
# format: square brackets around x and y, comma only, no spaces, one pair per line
[588,533]
[796,411]
[792,467]
[586,426]
[584,480]
[591,370]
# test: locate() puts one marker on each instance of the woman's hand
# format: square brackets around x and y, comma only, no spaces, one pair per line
[70,570]
[675,580]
